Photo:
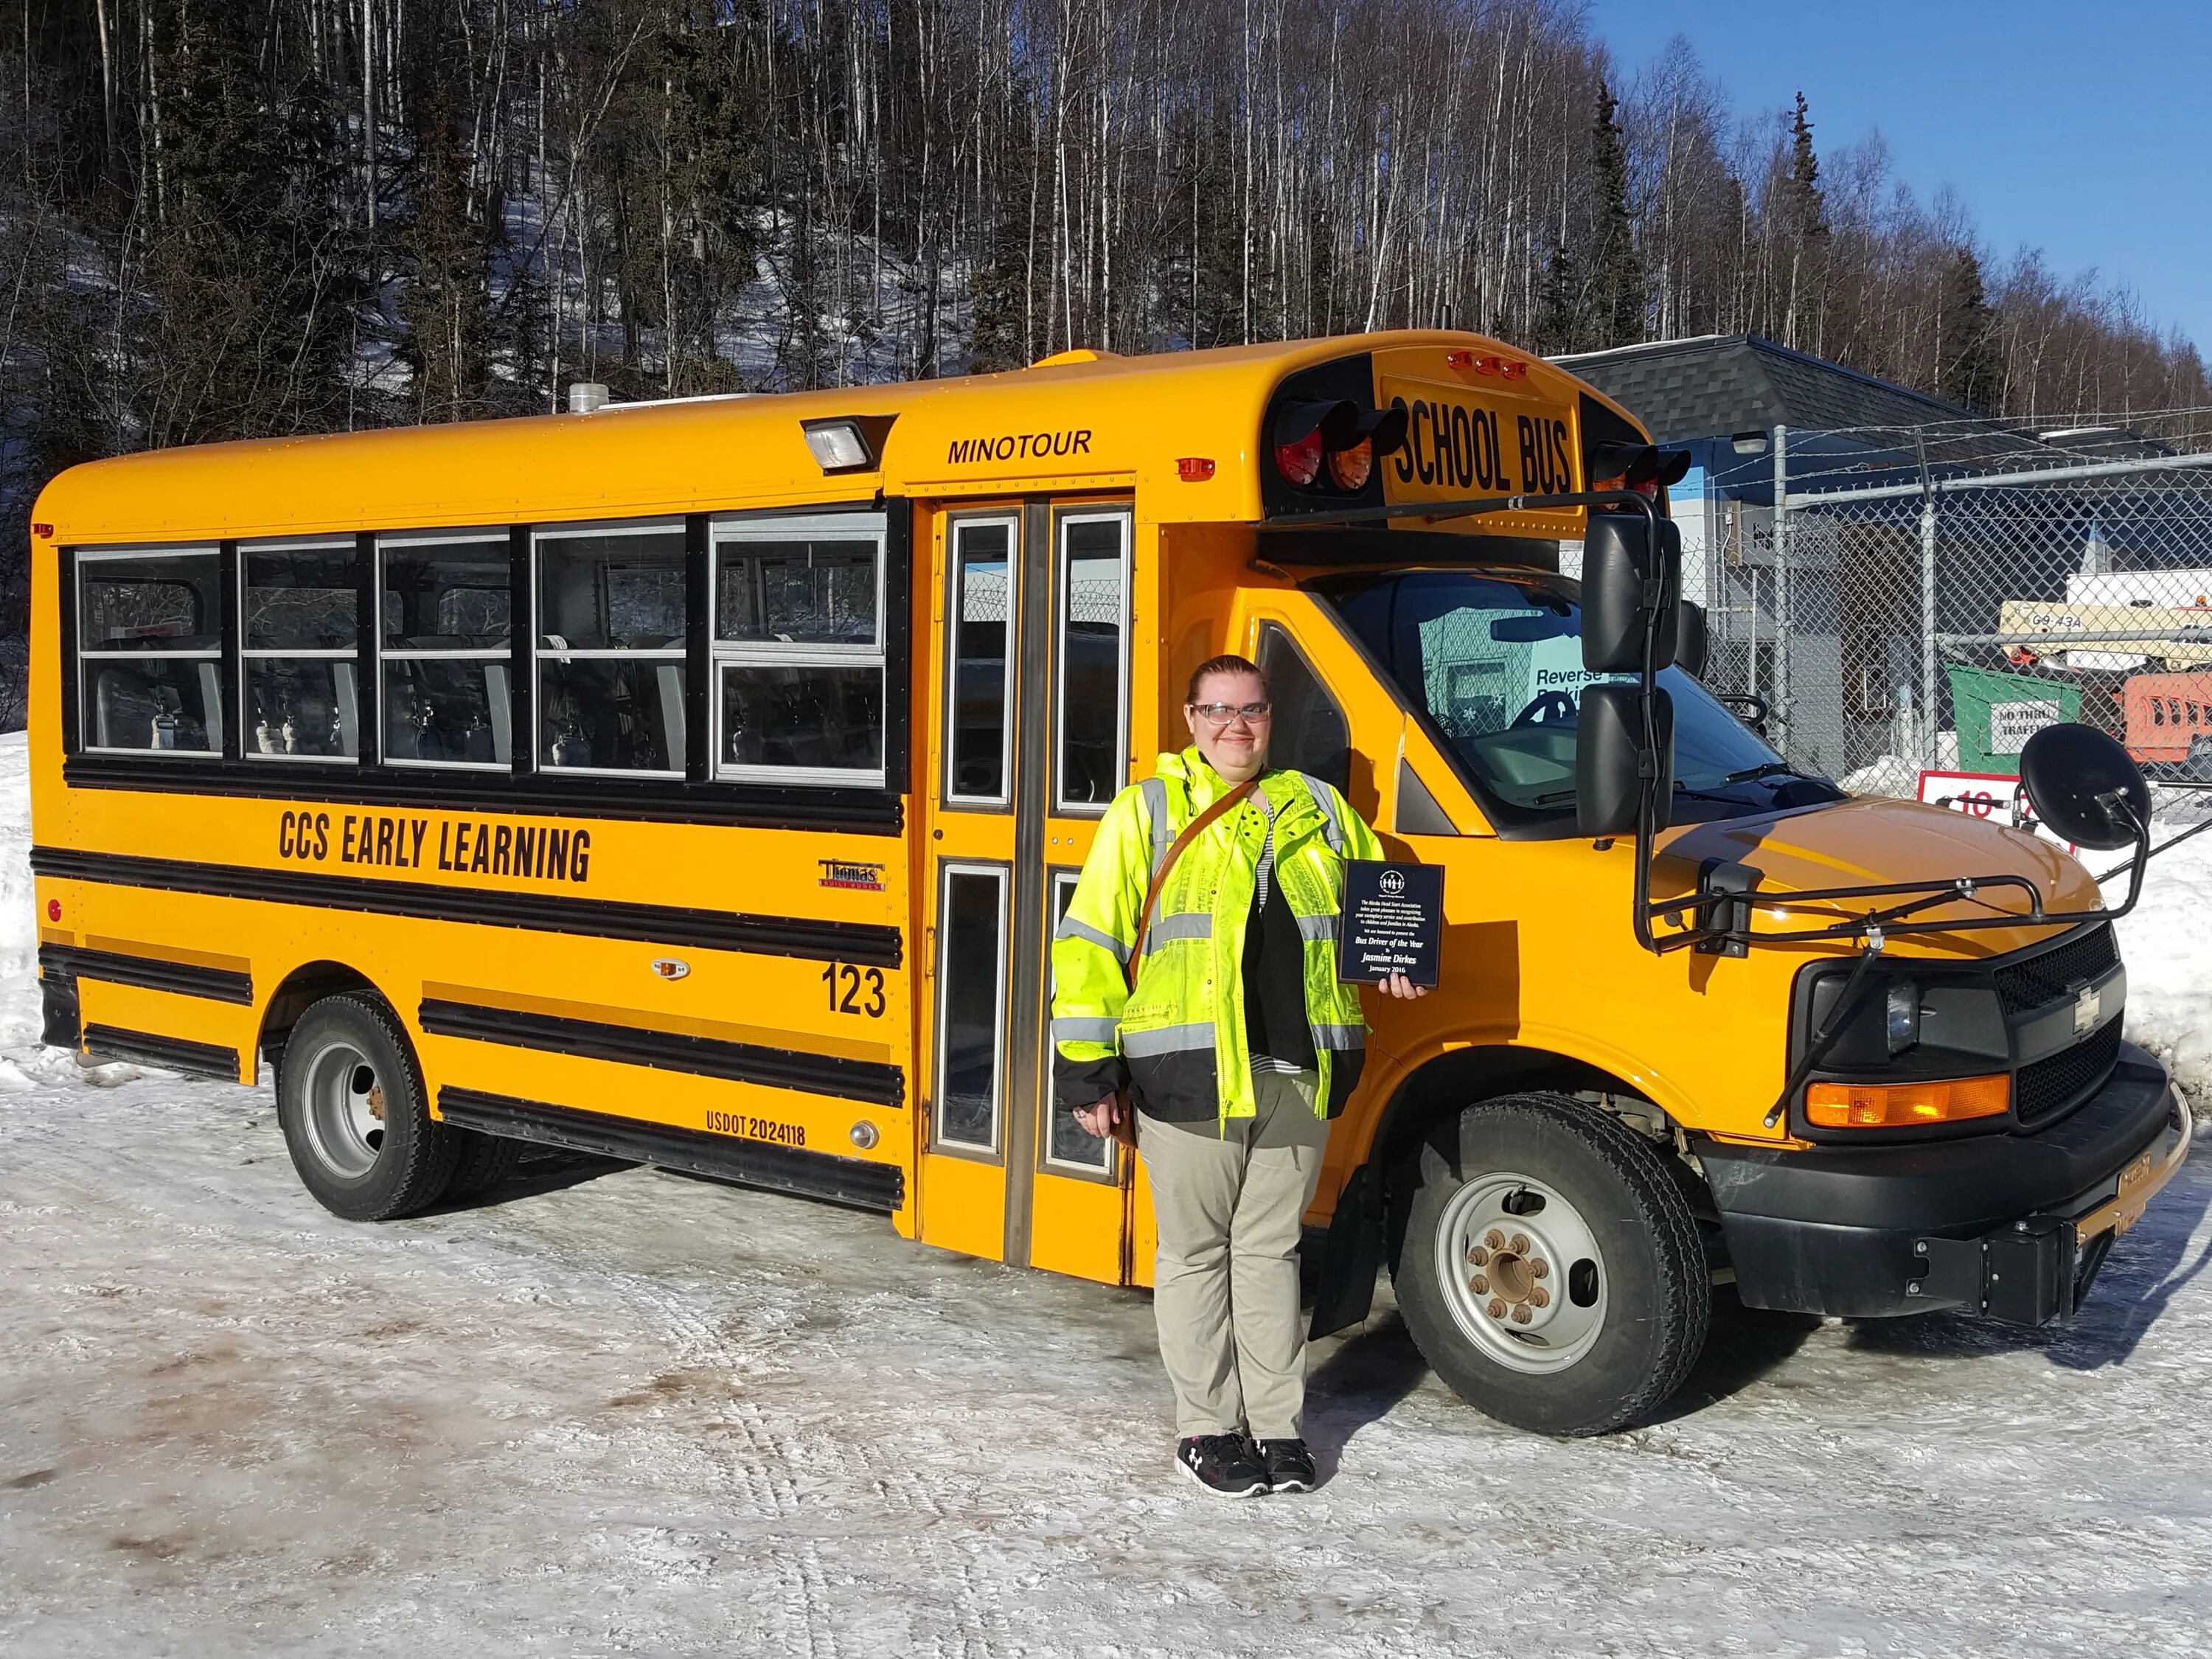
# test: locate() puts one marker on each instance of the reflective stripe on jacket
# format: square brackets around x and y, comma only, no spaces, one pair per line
[1177,1041]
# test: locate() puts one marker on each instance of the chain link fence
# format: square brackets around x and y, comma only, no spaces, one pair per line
[1935,621]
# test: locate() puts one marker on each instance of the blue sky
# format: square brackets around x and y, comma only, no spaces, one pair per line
[2077,128]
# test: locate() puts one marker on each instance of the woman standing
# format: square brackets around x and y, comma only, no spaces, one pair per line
[1236,1042]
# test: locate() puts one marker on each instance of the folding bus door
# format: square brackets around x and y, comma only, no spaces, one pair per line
[1029,743]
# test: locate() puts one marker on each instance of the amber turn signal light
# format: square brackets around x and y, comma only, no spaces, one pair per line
[1903,1105]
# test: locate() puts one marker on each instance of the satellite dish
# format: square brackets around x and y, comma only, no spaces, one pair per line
[2084,787]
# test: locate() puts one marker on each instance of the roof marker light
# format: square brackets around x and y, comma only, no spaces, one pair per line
[1459,359]
[848,443]
[1512,368]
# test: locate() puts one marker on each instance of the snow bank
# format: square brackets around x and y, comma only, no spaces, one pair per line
[2167,946]
[25,1063]
[19,927]
[1888,775]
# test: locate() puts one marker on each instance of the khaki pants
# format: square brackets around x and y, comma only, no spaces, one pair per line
[1225,1283]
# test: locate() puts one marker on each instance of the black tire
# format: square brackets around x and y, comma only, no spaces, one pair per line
[481,1162]
[355,1117]
[1616,1356]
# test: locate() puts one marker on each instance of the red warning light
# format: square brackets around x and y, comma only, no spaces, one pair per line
[53,910]
[1459,359]
[1195,469]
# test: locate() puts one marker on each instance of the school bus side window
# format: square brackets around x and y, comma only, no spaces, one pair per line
[1091,739]
[149,646]
[300,649]
[446,606]
[1310,733]
[798,648]
[611,618]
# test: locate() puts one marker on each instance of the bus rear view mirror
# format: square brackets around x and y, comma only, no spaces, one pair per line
[1616,761]
[1693,645]
[1624,578]
[2086,787]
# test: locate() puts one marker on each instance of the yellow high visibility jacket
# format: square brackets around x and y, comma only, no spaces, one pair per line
[1177,1041]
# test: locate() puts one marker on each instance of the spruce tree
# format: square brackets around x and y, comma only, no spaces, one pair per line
[1617,278]
[444,302]
[254,275]
[1560,313]
[1802,187]
[1805,225]
[1971,368]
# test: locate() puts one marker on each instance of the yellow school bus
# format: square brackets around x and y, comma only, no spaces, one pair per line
[699,782]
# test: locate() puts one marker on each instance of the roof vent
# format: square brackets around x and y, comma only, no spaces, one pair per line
[584,396]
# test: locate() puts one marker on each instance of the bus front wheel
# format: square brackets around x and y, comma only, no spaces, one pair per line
[1552,1270]
[354,1113]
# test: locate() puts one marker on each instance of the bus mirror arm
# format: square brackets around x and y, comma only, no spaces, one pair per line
[1915,896]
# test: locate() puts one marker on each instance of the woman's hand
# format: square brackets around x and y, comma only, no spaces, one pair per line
[1102,1120]
[1399,986]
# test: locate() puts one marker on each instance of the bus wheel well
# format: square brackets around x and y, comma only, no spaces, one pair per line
[304,987]
[1456,1079]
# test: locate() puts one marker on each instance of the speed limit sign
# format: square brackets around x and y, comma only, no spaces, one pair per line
[1993,797]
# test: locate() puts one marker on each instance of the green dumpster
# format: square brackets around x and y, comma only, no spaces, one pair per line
[1997,712]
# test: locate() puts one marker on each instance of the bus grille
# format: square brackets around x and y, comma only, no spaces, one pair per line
[2046,977]
[2057,1081]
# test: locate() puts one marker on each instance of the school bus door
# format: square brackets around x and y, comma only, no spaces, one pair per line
[1031,663]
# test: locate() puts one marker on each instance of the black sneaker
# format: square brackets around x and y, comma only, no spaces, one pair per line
[1222,1463]
[1287,1464]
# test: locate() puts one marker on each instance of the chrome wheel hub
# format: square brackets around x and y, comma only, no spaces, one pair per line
[1521,1272]
[345,1110]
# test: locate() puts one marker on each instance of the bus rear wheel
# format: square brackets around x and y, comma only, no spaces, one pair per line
[1552,1270]
[356,1117]
[482,1163]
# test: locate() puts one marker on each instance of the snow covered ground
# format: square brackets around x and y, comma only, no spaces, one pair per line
[615,1411]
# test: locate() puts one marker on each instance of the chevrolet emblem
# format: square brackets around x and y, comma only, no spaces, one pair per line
[2086,1007]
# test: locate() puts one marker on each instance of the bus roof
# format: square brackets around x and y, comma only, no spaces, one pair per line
[1081,421]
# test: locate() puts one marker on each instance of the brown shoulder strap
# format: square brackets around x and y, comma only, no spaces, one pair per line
[1196,827]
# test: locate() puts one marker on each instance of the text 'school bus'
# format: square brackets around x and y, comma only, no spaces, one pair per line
[702,782]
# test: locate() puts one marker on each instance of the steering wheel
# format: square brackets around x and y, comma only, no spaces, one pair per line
[1549,708]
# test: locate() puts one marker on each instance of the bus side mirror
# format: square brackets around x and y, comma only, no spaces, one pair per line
[1615,765]
[1693,645]
[1625,579]
[2084,787]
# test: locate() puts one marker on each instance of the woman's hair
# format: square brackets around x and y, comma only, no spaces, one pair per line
[1231,663]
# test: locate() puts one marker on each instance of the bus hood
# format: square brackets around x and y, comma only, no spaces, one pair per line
[1870,840]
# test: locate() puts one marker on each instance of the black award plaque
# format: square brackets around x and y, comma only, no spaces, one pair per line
[1392,921]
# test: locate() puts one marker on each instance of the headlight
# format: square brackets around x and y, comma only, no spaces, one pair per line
[1901,1016]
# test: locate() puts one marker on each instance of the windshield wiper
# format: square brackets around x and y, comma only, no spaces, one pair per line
[1766,769]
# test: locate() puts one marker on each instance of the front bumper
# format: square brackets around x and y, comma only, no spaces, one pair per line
[2014,1226]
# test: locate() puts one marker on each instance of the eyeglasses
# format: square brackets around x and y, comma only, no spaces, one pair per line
[1220,713]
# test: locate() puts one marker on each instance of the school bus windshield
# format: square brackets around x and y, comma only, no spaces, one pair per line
[1497,666]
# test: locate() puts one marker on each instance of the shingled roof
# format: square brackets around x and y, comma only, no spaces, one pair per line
[1717,385]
